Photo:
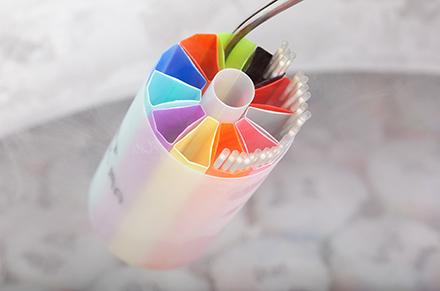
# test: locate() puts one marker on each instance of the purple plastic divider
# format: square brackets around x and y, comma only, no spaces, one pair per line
[171,124]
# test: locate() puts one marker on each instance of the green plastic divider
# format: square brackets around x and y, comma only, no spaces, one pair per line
[239,55]
[221,51]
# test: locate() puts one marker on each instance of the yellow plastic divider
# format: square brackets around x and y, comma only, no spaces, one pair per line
[195,149]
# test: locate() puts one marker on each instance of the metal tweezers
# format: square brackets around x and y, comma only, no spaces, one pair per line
[256,19]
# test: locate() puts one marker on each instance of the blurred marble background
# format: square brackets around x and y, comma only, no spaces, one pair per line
[354,206]
[70,55]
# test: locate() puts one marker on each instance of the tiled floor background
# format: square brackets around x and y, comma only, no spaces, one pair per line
[354,206]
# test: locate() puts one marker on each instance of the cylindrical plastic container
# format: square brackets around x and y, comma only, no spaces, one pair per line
[155,198]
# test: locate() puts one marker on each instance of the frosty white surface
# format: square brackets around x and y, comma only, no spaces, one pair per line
[352,133]
[125,278]
[60,256]
[24,287]
[406,174]
[270,264]
[309,201]
[70,55]
[430,270]
[381,254]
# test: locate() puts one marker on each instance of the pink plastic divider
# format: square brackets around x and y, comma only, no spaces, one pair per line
[252,136]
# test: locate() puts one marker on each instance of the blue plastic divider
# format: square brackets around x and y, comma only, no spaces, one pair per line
[176,63]
[165,91]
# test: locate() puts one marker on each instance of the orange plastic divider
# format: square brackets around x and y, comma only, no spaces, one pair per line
[270,93]
[252,136]
[224,174]
[271,108]
[227,137]
[203,50]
